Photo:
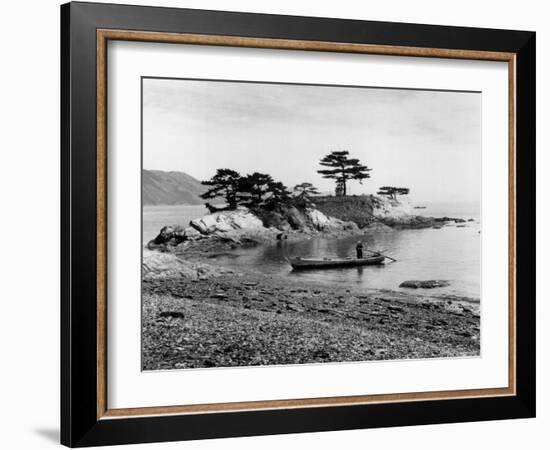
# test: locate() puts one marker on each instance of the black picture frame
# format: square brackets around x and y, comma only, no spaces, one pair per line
[80,425]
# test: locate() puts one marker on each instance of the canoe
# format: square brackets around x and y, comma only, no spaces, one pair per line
[332,263]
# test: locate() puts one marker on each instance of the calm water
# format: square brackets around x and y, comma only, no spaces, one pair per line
[449,253]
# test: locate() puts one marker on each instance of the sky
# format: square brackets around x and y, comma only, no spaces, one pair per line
[428,141]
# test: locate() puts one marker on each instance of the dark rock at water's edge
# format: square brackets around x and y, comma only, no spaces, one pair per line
[418,222]
[447,219]
[168,235]
[424,284]
[411,222]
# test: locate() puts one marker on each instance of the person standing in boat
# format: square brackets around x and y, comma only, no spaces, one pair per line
[359,250]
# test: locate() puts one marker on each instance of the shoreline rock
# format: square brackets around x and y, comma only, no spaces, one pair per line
[368,210]
[242,227]
[399,214]
[424,284]
[227,221]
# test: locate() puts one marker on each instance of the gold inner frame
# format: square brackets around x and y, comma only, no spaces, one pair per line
[104,35]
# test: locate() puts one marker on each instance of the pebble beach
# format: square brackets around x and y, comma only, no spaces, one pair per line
[220,318]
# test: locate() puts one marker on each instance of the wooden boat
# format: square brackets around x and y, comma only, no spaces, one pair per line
[333,263]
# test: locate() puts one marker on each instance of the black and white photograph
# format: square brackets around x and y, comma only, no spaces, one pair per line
[297,224]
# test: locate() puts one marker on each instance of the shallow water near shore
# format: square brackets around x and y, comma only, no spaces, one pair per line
[451,253]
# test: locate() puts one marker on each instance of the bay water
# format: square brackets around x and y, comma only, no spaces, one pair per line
[451,253]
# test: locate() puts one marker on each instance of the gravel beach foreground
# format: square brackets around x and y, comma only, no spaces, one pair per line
[251,319]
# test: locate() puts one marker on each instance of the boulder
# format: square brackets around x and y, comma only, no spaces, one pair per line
[424,284]
[320,222]
[240,219]
[173,235]
[170,234]
[317,219]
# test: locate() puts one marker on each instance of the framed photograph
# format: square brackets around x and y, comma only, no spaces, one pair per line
[276,224]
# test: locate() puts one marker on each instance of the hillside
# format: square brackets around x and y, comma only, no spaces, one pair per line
[171,188]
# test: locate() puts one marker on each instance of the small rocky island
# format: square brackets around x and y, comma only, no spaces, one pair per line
[244,226]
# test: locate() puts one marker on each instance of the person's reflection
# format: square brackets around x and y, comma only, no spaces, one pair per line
[360,270]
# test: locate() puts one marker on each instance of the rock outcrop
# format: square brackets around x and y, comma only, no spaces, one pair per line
[377,212]
[389,208]
[228,221]
[244,227]
[352,208]
[399,213]
[308,220]
[170,234]
[320,222]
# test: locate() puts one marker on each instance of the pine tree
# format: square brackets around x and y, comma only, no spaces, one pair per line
[343,169]
[261,190]
[392,191]
[224,184]
[278,195]
[303,192]
[253,188]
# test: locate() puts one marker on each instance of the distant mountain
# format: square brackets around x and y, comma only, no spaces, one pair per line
[171,188]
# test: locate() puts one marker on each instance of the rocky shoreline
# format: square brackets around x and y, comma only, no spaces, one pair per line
[227,230]
[241,321]
[197,315]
